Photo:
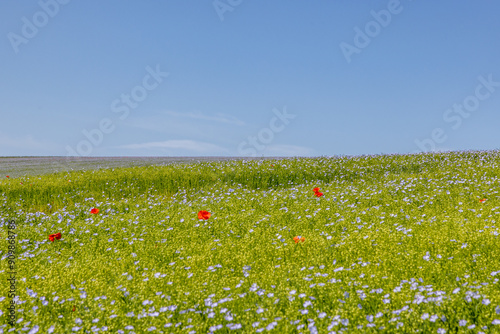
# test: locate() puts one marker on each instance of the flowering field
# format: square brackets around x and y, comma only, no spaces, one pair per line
[18,166]
[394,243]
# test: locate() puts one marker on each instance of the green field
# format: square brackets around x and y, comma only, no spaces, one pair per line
[396,244]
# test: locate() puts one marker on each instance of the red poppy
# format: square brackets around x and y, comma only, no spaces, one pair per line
[482,200]
[204,215]
[318,194]
[74,308]
[316,189]
[54,236]
[7,176]
[94,211]
[297,239]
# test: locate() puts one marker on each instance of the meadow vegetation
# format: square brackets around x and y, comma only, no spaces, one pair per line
[394,243]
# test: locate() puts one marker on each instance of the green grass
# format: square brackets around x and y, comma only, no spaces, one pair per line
[397,243]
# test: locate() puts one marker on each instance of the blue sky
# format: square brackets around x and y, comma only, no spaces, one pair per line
[248,78]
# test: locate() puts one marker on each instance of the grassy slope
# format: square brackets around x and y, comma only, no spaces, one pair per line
[379,219]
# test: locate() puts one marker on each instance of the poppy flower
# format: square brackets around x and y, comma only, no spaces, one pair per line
[204,215]
[7,176]
[94,211]
[297,239]
[74,308]
[317,192]
[482,200]
[54,236]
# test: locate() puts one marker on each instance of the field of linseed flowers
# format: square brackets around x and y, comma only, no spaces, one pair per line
[371,244]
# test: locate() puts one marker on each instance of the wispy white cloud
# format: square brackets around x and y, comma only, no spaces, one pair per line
[23,144]
[218,117]
[188,125]
[181,146]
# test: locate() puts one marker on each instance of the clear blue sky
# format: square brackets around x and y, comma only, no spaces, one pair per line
[352,79]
